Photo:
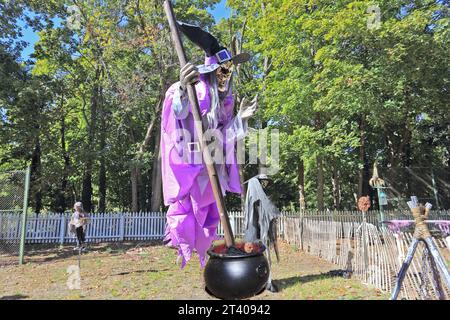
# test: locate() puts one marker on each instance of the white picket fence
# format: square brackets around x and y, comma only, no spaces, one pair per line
[371,253]
[53,228]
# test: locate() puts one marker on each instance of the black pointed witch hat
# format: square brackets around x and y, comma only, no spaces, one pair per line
[210,44]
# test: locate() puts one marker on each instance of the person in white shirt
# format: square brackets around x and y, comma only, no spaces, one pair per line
[78,224]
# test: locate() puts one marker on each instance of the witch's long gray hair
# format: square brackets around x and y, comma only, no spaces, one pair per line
[217,111]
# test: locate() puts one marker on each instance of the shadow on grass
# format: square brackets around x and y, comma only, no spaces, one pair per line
[14,297]
[41,253]
[292,281]
[137,271]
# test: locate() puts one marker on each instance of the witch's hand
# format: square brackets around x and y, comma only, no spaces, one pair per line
[248,110]
[189,75]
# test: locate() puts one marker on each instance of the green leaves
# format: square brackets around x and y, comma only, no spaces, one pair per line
[91,94]
[336,81]
[340,90]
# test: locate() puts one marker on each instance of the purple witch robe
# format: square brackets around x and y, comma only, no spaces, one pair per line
[193,217]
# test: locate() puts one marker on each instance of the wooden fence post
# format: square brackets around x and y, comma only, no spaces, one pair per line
[122,226]
[62,230]
[301,232]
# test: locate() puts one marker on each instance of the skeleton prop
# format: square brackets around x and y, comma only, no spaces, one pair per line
[192,217]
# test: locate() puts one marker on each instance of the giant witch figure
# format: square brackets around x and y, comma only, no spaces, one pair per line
[193,217]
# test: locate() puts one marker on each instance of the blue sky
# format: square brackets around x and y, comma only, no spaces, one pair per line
[220,11]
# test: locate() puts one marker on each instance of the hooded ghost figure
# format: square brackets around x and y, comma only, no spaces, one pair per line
[193,217]
[260,220]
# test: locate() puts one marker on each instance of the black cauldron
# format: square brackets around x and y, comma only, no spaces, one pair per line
[236,276]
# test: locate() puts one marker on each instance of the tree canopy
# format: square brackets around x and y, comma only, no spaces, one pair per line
[346,84]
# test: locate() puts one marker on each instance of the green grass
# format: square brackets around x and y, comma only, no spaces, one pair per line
[115,271]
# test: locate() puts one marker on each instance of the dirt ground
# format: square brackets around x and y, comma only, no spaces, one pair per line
[150,271]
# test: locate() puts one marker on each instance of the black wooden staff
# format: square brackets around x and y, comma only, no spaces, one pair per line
[212,172]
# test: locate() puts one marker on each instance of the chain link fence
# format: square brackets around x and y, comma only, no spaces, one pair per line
[13,202]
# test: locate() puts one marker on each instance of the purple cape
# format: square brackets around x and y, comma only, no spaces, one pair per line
[192,218]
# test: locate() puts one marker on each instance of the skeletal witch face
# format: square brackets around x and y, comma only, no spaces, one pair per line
[223,74]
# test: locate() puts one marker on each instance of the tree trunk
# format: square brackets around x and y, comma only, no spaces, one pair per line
[156,191]
[407,160]
[156,174]
[102,186]
[362,158]
[134,188]
[244,186]
[236,48]
[61,201]
[301,185]
[319,163]
[102,175]
[35,178]
[102,146]
[143,187]
[320,182]
[86,195]
[336,188]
